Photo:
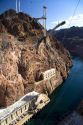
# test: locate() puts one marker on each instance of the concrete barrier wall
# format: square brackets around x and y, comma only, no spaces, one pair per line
[51,81]
[15,115]
[49,73]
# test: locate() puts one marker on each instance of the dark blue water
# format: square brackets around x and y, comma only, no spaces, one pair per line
[64,99]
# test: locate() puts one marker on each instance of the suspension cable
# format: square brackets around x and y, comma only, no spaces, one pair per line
[74,11]
[65,34]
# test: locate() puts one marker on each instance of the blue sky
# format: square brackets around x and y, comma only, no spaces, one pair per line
[57,10]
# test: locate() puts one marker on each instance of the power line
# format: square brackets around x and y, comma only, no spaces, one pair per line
[74,12]
[65,34]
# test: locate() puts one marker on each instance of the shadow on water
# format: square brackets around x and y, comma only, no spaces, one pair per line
[64,99]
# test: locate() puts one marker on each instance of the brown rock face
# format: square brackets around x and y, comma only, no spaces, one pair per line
[11,81]
[22,60]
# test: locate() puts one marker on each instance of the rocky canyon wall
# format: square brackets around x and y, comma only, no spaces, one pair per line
[23,57]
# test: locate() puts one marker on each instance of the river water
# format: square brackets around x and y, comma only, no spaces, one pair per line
[64,99]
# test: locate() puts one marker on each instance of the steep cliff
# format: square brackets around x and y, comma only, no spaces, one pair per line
[72,39]
[22,57]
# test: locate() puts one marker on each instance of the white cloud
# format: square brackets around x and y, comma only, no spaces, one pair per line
[76,20]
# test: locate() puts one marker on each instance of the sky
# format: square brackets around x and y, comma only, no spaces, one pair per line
[57,10]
